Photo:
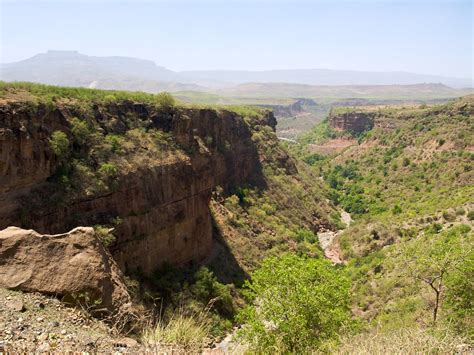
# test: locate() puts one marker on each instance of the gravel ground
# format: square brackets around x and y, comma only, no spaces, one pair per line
[35,323]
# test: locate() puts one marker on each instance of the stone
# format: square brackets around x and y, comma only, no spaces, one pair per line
[43,348]
[66,265]
[16,305]
[354,122]
[127,342]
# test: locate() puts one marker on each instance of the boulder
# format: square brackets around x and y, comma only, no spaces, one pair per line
[74,266]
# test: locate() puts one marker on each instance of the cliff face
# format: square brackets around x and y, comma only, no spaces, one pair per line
[293,109]
[353,122]
[163,205]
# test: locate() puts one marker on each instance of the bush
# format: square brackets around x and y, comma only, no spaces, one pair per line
[188,333]
[105,235]
[207,289]
[80,131]
[165,100]
[459,296]
[298,305]
[108,170]
[470,215]
[313,158]
[116,142]
[59,144]
[396,209]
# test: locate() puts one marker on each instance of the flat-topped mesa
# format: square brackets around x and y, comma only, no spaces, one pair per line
[147,171]
[354,122]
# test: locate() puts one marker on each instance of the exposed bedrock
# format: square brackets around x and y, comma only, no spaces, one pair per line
[163,206]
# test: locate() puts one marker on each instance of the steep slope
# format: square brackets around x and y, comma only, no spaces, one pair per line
[148,169]
[406,178]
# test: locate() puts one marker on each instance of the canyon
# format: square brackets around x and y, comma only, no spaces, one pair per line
[163,206]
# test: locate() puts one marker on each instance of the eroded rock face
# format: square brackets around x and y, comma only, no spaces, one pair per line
[163,207]
[70,265]
[353,122]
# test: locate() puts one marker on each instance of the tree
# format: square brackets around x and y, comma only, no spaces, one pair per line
[59,144]
[165,100]
[459,295]
[298,303]
[433,258]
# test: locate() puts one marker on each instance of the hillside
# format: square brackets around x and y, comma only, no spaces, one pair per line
[324,77]
[413,92]
[405,175]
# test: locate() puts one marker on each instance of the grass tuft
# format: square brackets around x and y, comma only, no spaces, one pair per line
[182,331]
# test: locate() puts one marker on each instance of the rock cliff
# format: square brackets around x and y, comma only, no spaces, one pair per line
[353,122]
[158,200]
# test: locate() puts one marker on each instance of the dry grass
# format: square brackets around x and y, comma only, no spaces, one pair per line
[182,332]
[405,341]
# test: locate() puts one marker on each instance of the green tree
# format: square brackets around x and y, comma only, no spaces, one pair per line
[433,259]
[297,305]
[80,131]
[459,295]
[59,143]
[165,100]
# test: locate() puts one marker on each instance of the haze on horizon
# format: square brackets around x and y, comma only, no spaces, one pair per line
[419,37]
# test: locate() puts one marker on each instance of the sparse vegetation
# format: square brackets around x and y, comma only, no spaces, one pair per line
[180,332]
[407,285]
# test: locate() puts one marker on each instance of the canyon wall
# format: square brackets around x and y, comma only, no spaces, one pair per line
[163,206]
[353,122]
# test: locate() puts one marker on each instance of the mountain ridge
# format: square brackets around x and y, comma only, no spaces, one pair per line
[75,69]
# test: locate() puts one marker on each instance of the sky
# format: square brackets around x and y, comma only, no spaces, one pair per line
[420,36]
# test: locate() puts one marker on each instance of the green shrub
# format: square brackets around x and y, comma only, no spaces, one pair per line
[396,209]
[206,288]
[470,215]
[80,131]
[165,100]
[108,170]
[298,305]
[59,144]
[459,299]
[313,158]
[116,142]
[105,235]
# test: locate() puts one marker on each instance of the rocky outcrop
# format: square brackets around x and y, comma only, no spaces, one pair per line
[353,122]
[292,109]
[74,266]
[163,206]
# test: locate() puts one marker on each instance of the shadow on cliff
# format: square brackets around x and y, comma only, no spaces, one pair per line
[223,263]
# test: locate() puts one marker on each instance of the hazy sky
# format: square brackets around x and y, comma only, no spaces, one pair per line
[430,37]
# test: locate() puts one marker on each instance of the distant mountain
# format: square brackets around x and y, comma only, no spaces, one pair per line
[324,77]
[401,92]
[71,68]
